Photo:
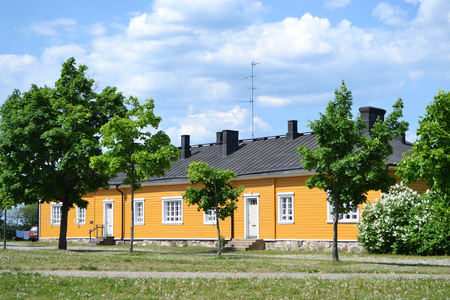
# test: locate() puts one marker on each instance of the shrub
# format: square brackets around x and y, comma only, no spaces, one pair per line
[404,222]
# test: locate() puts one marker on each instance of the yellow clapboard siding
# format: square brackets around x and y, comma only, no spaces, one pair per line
[310,213]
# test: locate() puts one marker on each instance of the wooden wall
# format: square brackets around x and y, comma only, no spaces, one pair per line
[310,214]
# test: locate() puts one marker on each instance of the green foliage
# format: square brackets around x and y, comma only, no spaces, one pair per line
[216,193]
[48,136]
[223,241]
[430,156]
[132,149]
[404,222]
[347,162]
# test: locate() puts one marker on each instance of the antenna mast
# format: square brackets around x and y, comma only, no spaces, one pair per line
[251,100]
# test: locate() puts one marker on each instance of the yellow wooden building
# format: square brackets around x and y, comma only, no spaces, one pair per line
[276,206]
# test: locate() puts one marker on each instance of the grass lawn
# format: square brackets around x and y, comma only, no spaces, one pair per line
[20,282]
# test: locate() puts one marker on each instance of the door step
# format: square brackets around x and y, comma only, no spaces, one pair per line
[244,244]
[106,240]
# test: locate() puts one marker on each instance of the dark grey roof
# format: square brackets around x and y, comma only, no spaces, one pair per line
[271,155]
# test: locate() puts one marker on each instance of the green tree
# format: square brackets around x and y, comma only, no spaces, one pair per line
[349,164]
[28,215]
[47,136]
[217,193]
[429,157]
[133,150]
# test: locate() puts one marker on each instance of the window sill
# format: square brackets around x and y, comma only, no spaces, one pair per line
[286,222]
[172,223]
[343,222]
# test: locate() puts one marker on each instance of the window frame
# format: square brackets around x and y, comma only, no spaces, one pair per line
[137,221]
[207,215]
[80,212]
[343,218]
[179,217]
[280,214]
[55,221]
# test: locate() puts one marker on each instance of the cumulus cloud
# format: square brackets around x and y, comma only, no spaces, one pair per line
[190,55]
[203,126]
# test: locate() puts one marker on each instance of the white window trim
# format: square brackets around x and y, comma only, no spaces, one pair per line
[136,201]
[282,195]
[343,218]
[206,217]
[54,221]
[78,220]
[169,199]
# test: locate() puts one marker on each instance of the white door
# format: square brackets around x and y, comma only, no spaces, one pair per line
[108,219]
[252,218]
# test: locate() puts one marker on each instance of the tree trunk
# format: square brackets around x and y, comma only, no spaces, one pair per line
[132,216]
[4,232]
[219,245]
[63,225]
[334,249]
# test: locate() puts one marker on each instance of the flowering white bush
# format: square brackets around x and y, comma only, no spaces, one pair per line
[404,222]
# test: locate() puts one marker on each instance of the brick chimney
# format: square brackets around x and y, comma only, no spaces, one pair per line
[292,133]
[370,115]
[230,142]
[185,147]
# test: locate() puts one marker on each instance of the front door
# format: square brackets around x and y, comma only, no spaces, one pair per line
[252,218]
[108,219]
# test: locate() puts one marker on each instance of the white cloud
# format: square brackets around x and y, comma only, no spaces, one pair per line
[203,125]
[183,57]
[261,124]
[390,15]
[51,28]
[273,101]
[337,3]
[96,29]
[191,16]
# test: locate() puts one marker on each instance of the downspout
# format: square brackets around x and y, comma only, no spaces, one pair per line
[117,188]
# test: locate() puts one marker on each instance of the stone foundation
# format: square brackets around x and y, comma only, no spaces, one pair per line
[171,243]
[314,246]
[293,245]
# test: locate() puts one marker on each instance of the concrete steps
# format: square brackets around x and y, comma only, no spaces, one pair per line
[244,244]
[105,240]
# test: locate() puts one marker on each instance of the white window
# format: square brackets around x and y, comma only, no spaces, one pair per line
[81,216]
[139,211]
[172,212]
[349,217]
[286,208]
[55,214]
[209,217]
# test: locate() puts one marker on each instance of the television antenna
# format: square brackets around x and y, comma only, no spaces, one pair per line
[251,100]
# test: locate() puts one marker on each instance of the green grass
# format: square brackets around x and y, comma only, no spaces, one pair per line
[19,282]
[34,286]
[105,260]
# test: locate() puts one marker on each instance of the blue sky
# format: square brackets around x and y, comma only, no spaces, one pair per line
[191,56]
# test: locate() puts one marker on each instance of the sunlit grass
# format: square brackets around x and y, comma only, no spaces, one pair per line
[106,260]
[34,286]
